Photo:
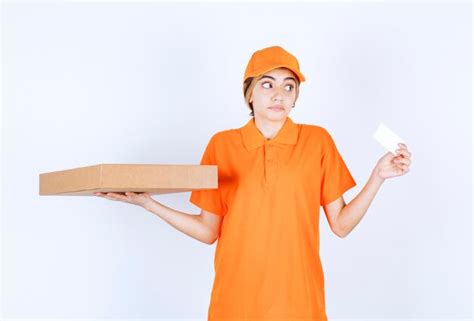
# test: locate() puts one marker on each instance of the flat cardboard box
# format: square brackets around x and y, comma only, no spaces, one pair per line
[150,178]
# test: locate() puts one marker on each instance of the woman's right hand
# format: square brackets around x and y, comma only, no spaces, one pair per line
[140,199]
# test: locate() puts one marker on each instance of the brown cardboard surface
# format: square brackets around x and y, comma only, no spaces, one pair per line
[151,178]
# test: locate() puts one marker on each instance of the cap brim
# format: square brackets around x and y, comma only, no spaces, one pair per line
[300,76]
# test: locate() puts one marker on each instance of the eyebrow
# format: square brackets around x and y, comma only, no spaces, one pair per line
[287,78]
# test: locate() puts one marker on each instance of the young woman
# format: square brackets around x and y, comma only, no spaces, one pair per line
[274,175]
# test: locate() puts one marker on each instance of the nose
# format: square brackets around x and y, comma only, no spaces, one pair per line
[278,95]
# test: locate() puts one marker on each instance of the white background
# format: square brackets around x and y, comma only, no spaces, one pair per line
[89,83]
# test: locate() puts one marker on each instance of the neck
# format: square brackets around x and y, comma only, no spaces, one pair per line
[269,128]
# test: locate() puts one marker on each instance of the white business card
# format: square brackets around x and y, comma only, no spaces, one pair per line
[387,138]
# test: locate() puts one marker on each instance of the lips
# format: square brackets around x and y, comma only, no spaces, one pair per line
[277,108]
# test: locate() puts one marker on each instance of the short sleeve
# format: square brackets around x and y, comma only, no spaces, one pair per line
[209,200]
[335,176]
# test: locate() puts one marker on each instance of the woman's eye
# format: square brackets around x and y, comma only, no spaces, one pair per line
[267,84]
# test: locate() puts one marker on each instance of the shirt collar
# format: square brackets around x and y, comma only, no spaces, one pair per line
[253,138]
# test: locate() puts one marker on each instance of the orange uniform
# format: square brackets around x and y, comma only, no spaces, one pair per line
[267,264]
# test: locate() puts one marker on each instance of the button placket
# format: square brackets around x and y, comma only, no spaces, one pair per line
[271,162]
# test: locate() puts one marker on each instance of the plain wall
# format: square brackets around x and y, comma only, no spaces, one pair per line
[89,83]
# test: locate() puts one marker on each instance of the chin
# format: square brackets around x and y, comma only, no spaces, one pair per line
[276,116]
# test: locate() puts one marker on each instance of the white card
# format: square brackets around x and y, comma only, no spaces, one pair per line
[387,138]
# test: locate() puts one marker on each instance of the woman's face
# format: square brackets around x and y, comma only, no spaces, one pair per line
[274,94]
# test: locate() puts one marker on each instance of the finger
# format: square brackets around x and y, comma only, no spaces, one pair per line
[401,160]
[405,153]
[398,171]
[109,196]
[103,195]
[402,146]
[404,168]
[117,196]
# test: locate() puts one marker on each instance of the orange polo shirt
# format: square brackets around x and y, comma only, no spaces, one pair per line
[267,264]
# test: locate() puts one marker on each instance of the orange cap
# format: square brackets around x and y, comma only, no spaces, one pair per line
[269,58]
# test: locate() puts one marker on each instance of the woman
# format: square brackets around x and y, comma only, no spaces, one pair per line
[274,175]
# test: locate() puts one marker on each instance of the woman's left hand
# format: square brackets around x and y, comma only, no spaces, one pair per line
[391,166]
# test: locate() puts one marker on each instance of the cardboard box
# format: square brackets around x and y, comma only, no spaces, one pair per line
[151,178]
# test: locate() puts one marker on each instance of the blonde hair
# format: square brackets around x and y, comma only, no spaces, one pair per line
[249,85]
